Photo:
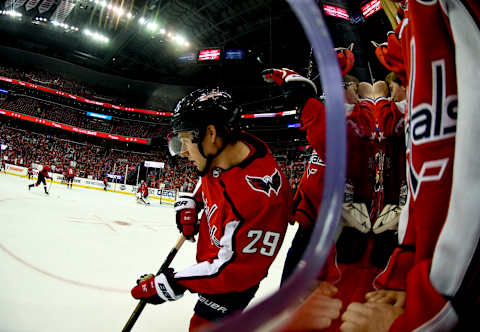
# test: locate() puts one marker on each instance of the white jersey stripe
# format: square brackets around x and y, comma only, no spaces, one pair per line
[460,235]
[225,254]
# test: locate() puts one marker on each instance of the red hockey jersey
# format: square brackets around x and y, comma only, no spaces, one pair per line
[246,212]
[312,119]
[428,51]
[45,170]
[70,172]
[309,193]
[143,189]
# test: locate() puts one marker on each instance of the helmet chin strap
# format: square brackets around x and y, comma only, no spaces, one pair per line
[209,158]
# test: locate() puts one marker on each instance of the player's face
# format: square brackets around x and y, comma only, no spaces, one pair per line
[397,91]
[190,150]
[351,96]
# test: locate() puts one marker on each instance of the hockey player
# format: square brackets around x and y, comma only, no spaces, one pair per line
[434,50]
[246,202]
[3,166]
[42,176]
[105,183]
[142,193]
[363,245]
[70,177]
[300,91]
[30,172]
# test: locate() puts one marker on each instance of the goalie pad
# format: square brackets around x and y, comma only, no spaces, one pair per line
[356,215]
[388,219]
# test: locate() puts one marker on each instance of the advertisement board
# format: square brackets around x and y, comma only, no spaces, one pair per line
[165,197]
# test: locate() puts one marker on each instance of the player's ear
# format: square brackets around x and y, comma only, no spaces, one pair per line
[211,134]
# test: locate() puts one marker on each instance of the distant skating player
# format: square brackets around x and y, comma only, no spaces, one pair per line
[105,183]
[142,193]
[70,176]
[3,167]
[30,172]
[42,175]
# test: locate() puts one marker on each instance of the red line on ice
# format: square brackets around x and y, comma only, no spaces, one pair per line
[51,275]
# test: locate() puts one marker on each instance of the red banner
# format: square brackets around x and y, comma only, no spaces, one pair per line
[130,109]
[336,12]
[75,129]
[268,115]
[85,100]
[209,55]
[371,8]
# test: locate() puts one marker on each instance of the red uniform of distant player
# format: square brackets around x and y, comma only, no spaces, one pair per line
[42,175]
[30,172]
[105,183]
[70,176]
[142,193]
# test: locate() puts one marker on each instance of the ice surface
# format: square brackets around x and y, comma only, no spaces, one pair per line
[69,260]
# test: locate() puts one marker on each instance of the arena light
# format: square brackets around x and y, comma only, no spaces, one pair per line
[64,26]
[11,13]
[179,39]
[112,7]
[96,36]
[152,26]
[119,11]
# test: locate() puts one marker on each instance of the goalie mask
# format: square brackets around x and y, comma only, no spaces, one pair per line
[195,112]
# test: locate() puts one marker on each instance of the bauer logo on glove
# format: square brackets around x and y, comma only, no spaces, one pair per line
[157,289]
[186,216]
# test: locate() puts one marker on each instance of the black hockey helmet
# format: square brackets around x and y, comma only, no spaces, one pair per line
[203,107]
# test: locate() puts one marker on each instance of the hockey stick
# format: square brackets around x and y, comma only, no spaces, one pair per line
[50,185]
[138,310]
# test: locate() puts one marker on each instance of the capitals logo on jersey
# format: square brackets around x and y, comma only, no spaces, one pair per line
[430,122]
[209,211]
[267,183]
[314,160]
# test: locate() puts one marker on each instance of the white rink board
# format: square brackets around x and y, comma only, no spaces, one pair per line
[167,197]
[69,260]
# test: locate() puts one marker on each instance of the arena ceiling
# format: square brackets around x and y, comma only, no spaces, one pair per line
[140,48]
[266,29]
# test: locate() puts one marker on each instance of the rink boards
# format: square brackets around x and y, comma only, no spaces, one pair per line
[165,196]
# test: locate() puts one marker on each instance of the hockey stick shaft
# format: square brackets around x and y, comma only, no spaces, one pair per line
[141,305]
